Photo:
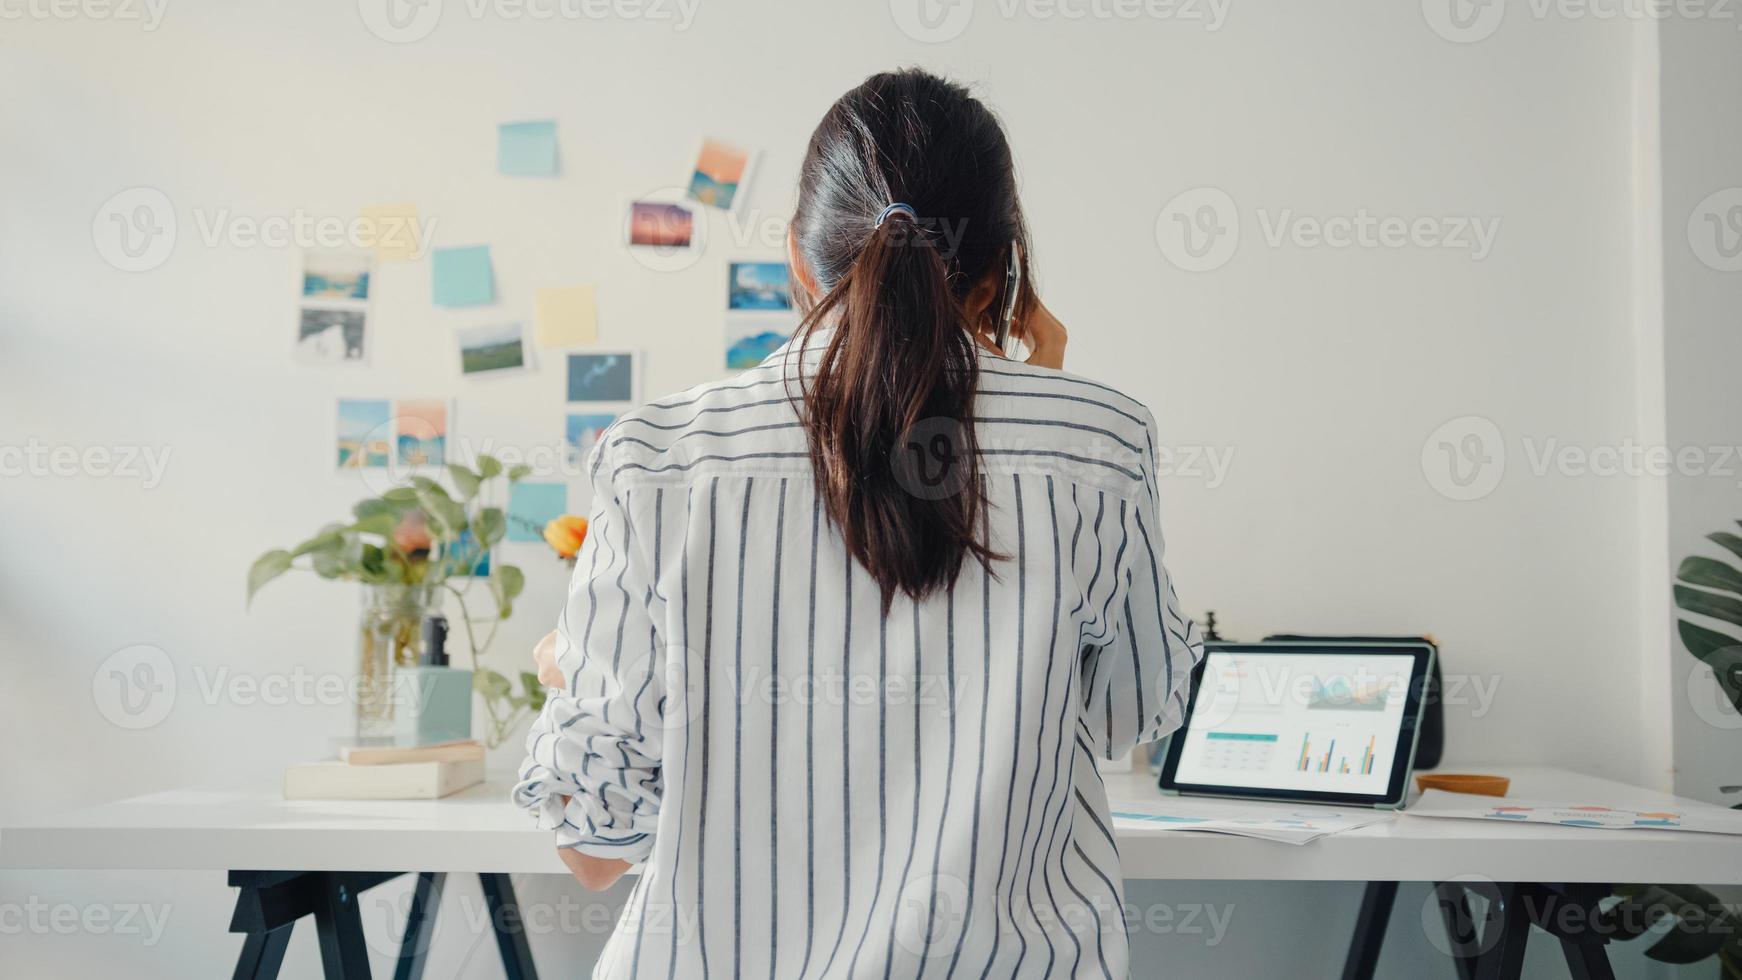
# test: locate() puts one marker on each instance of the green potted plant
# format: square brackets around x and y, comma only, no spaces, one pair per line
[412,548]
[1706,923]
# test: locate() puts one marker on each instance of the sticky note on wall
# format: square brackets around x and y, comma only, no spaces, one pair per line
[392,230]
[527,149]
[461,276]
[566,317]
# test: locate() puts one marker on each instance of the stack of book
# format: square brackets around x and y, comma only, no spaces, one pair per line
[389,772]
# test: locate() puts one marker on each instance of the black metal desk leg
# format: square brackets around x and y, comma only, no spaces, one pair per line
[510,929]
[1587,961]
[1375,915]
[340,929]
[1504,959]
[262,954]
[1465,943]
[426,898]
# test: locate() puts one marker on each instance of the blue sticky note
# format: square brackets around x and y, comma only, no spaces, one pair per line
[533,505]
[526,149]
[461,276]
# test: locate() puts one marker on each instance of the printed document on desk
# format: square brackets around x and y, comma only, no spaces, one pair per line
[1285,823]
[1684,816]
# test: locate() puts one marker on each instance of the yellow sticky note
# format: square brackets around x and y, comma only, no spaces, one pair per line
[393,231]
[566,317]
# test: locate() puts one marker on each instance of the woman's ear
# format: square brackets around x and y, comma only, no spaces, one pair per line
[801,273]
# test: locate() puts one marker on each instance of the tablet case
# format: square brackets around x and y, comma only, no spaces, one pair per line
[1431,735]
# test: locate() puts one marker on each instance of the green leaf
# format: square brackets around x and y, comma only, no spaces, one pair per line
[506,582]
[380,522]
[518,472]
[1709,604]
[490,525]
[330,538]
[488,466]
[535,691]
[386,504]
[345,561]
[1730,542]
[1710,573]
[1704,643]
[373,565]
[266,568]
[465,481]
[1702,925]
[446,518]
[491,684]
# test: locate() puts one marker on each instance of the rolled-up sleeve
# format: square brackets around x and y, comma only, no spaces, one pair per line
[1137,684]
[598,741]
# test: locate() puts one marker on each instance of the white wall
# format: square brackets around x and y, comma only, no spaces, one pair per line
[1702,156]
[1322,370]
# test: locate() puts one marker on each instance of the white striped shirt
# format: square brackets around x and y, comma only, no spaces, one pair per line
[813,789]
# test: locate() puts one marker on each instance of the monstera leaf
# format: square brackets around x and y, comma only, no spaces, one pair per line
[1712,588]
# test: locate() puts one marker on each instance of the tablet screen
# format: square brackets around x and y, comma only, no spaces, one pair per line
[1317,723]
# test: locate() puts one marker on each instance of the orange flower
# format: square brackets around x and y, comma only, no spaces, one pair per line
[565,534]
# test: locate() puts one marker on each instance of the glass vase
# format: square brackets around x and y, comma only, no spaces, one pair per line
[389,636]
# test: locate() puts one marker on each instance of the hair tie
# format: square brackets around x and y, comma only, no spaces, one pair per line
[906,209]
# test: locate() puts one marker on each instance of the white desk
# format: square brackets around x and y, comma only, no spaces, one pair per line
[480,831]
[312,856]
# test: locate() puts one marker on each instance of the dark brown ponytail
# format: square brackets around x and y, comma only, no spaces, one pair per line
[888,408]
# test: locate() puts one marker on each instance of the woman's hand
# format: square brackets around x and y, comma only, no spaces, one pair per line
[597,874]
[544,659]
[1045,337]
